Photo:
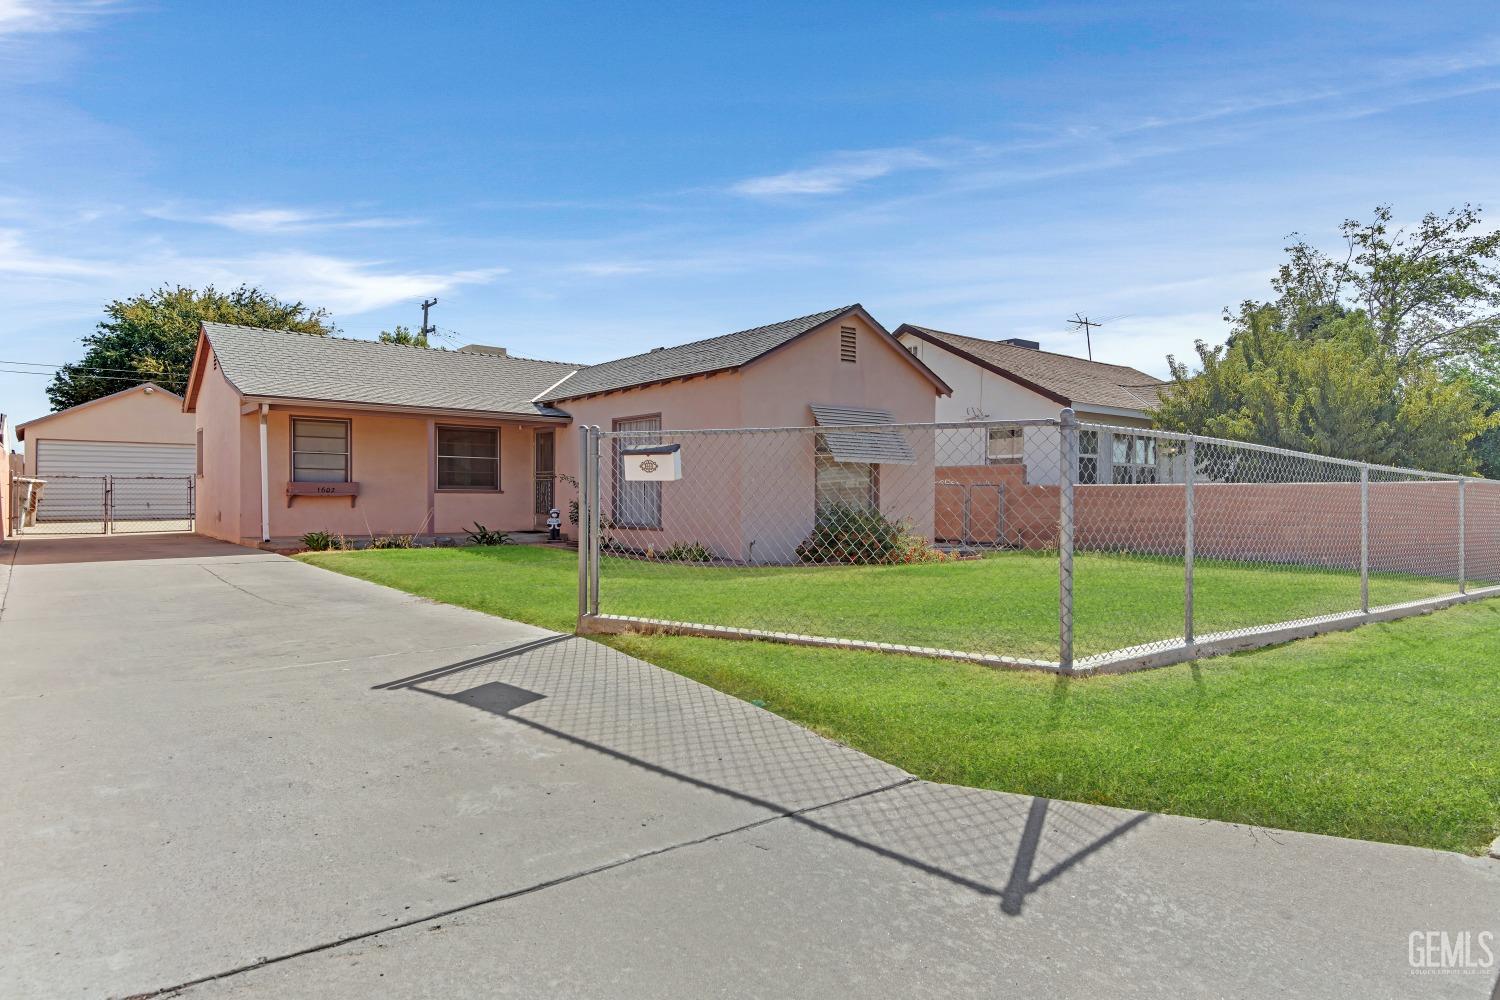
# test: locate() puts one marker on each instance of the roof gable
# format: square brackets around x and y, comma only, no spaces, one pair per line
[146,388]
[726,352]
[1062,378]
[285,364]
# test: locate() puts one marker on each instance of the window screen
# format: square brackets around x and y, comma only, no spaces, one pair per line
[468,458]
[637,504]
[320,451]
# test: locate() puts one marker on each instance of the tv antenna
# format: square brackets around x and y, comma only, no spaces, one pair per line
[1081,322]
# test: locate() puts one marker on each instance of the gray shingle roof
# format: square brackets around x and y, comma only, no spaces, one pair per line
[284,364]
[1078,380]
[700,357]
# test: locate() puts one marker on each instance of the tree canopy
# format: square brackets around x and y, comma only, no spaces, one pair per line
[1385,355]
[151,337]
[404,336]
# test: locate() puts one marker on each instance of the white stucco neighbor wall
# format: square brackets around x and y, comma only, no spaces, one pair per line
[980,394]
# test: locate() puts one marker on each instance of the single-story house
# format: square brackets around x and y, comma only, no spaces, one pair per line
[1015,380]
[838,366]
[305,433]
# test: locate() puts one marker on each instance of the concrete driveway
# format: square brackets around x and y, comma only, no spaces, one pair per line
[232,774]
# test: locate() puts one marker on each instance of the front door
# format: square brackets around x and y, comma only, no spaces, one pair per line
[544,489]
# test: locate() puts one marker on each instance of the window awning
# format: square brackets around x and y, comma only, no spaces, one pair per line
[866,445]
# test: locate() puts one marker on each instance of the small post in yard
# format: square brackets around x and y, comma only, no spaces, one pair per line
[1463,537]
[583,522]
[1364,539]
[1189,522]
[1068,428]
[108,503]
[594,518]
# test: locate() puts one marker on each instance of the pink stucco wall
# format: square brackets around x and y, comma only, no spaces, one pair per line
[391,458]
[750,496]
[133,417]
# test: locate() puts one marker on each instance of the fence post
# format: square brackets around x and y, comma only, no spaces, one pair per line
[1068,428]
[1190,516]
[1463,538]
[109,502]
[1364,539]
[583,522]
[595,460]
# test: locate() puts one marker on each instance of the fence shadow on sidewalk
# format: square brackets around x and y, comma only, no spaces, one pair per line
[998,845]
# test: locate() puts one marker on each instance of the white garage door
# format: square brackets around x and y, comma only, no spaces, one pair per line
[150,485]
[109,458]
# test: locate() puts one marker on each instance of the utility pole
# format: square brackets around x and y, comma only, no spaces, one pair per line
[427,328]
[1086,324]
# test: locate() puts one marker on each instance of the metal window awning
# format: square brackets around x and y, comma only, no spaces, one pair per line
[867,445]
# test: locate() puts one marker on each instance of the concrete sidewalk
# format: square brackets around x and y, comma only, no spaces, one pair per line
[228,764]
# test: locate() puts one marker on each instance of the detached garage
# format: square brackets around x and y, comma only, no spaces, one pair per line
[126,460]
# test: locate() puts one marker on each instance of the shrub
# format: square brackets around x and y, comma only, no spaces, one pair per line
[392,542]
[860,536]
[317,541]
[686,552]
[480,535]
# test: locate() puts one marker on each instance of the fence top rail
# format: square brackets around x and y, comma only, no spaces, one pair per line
[838,428]
[1288,452]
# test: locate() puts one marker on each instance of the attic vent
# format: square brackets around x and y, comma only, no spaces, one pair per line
[498,352]
[846,344]
[1030,345]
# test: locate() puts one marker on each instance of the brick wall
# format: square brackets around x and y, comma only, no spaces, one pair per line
[1413,525]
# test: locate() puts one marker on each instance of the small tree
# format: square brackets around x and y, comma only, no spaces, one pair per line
[151,338]
[404,336]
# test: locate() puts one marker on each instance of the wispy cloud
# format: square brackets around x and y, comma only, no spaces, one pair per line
[840,173]
[19,17]
[273,220]
[344,285]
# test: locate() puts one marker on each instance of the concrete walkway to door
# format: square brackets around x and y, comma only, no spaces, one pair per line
[234,774]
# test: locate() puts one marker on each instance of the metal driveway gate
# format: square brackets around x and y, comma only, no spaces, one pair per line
[102,505]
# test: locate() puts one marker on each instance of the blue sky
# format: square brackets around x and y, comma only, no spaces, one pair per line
[585,181]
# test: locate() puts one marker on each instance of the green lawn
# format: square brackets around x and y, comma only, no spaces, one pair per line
[1384,733]
[1003,604]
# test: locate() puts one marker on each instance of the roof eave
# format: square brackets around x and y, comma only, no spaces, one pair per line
[989,366]
[439,411]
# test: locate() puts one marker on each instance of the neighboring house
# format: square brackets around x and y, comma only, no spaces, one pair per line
[306,433]
[1014,380]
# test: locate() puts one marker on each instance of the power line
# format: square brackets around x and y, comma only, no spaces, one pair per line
[138,377]
[84,368]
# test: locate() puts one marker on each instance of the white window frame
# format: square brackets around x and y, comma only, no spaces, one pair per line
[1138,465]
[1004,446]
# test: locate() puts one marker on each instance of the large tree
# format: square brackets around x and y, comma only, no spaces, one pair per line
[151,337]
[1382,353]
[1344,393]
[1430,291]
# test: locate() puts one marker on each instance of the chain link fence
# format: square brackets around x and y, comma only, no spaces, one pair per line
[1050,544]
[100,505]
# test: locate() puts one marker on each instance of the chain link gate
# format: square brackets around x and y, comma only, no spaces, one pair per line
[1054,544]
[103,505]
